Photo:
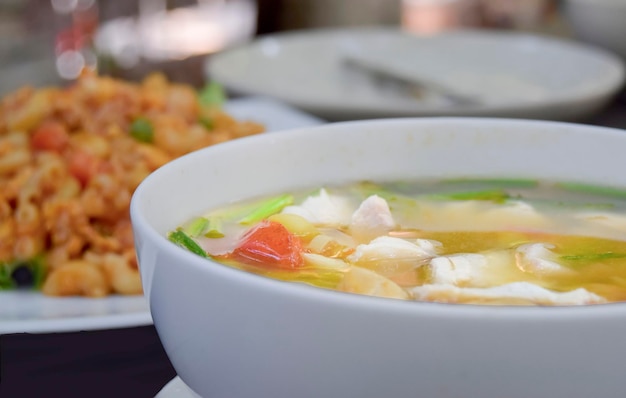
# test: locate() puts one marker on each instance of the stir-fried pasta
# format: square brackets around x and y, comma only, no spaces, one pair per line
[70,159]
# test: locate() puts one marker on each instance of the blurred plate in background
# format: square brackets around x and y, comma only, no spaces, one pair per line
[511,74]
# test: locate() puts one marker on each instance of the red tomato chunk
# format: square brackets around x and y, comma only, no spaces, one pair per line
[50,136]
[270,244]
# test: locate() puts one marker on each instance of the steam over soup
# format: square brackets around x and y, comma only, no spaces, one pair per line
[520,242]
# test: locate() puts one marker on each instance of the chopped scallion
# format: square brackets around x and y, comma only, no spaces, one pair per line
[206,122]
[212,95]
[6,281]
[593,256]
[181,239]
[495,195]
[39,271]
[594,189]
[22,274]
[141,130]
[214,228]
[197,227]
[267,208]
[499,182]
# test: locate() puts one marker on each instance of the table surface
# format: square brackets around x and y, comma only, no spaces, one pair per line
[123,362]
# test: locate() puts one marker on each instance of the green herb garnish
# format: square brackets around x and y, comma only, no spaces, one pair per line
[183,240]
[206,122]
[593,189]
[6,280]
[196,227]
[267,208]
[499,182]
[495,195]
[141,130]
[212,95]
[593,256]
[214,228]
[35,273]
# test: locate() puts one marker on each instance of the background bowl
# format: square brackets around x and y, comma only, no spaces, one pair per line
[599,22]
[232,334]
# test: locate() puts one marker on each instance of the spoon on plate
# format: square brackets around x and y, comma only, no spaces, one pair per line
[414,86]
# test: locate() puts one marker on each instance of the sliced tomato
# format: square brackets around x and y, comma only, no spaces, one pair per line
[270,244]
[50,136]
[83,166]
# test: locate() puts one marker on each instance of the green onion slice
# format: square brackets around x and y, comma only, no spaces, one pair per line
[183,240]
[267,208]
[141,130]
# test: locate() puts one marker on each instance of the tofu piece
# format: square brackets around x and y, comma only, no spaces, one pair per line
[511,293]
[324,209]
[364,281]
[537,258]
[373,218]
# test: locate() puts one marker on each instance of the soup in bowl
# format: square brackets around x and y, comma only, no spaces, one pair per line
[434,257]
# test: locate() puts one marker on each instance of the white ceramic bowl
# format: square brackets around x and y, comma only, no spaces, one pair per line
[599,22]
[231,334]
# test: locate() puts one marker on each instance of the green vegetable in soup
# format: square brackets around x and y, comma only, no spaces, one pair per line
[495,182]
[267,208]
[186,242]
[197,227]
[214,228]
[593,256]
[494,195]
[594,189]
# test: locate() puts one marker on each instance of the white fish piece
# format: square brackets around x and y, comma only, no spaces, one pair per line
[458,269]
[537,258]
[472,269]
[324,209]
[516,292]
[391,256]
[387,247]
[373,218]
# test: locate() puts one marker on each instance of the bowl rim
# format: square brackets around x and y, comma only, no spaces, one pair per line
[363,302]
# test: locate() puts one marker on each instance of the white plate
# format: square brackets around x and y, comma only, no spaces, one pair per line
[176,388]
[514,74]
[31,312]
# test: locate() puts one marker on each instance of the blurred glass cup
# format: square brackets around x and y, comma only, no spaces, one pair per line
[167,36]
[525,15]
[433,16]
[73,45]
